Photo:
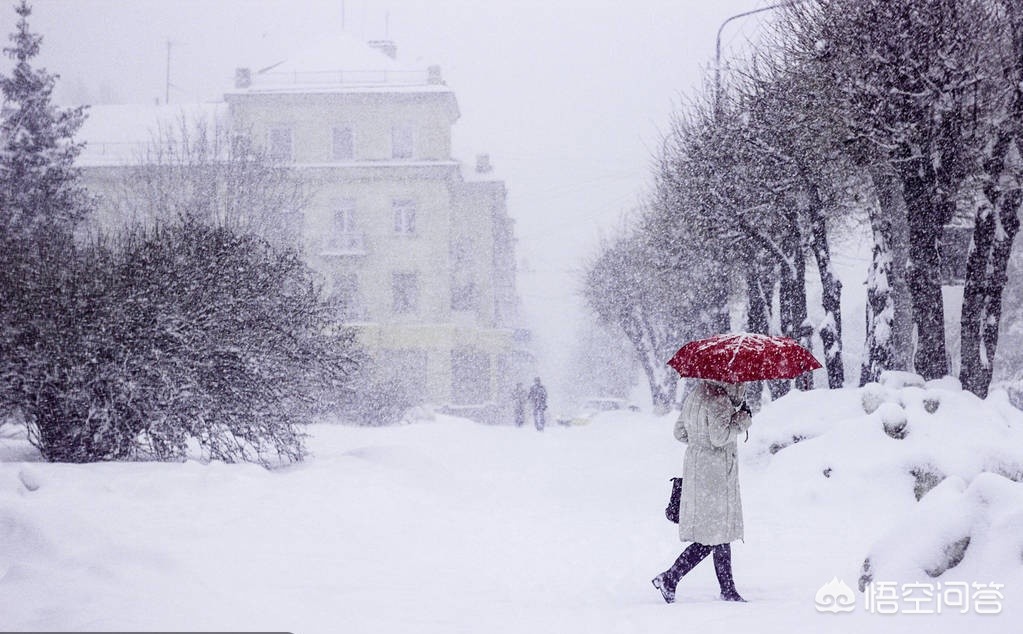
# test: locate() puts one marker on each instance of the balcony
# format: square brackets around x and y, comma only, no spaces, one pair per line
[344,244]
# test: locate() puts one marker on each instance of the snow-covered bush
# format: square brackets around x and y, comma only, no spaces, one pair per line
[169,340]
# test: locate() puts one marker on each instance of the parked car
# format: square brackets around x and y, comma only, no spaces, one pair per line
[593,406]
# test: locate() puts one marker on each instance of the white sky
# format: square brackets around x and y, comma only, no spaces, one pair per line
[567,96]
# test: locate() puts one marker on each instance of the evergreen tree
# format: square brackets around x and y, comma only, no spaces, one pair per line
[40,189]
[41,200]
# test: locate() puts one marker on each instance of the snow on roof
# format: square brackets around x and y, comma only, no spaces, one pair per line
[339,51]
[116,134]
[339,62]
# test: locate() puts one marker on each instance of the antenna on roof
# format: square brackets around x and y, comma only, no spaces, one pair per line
[387,25]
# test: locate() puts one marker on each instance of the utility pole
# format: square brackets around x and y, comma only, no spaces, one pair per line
[717,45]
[167,84]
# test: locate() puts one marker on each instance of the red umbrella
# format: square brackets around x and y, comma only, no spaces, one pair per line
[738,357]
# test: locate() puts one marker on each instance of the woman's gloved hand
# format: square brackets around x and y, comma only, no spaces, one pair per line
[742,417]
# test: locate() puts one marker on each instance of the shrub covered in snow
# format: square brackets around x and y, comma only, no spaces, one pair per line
[168,340]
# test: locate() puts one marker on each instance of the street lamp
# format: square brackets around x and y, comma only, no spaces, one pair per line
[717,44]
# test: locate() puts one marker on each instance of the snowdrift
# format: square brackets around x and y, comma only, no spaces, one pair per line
[958,531]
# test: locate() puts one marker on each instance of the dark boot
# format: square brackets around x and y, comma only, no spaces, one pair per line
[667,587]
[723,568]
[668,580]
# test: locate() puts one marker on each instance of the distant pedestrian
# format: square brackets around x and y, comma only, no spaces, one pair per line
[519,404]
[538,397]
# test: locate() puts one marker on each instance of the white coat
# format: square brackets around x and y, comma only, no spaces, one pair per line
[711,508]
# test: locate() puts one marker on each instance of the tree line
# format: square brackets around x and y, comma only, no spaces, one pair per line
[905,114]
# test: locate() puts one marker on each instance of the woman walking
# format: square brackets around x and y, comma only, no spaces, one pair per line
[713,416]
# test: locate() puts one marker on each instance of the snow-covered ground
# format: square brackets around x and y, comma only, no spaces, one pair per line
[449,526]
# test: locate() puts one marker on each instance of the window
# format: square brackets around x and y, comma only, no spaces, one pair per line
[405,287]
[344,216]
[404,216]
[401,141]
[279,144]
[344,238]
[345,296]
[344,146]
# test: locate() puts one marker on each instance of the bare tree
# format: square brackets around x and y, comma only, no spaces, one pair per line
[724,191]
[203,169]
[620,290]
[660,294]
[902,76]
[809,173]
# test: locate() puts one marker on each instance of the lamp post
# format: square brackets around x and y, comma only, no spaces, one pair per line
[717,44]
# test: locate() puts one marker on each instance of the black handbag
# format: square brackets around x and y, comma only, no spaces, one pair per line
[671,511]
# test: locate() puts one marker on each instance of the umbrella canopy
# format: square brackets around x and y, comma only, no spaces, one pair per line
[738,357]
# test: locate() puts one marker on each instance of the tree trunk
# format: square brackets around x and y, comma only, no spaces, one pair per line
[973,365]
[831,295]
[894,207]
[663,380]
[660,397]
[792,295]
[760,289]
[880,308]
[1008,213]
[667,377]
[925,227]
[757,320]
[994,230]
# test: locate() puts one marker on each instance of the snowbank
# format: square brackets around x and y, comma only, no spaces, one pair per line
[922,478]
[900,432]
[963,532]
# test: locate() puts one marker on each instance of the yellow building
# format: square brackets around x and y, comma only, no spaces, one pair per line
[420,253]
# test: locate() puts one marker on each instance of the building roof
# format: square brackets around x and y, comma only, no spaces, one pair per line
[339,63]
[119,134]
[340,50]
